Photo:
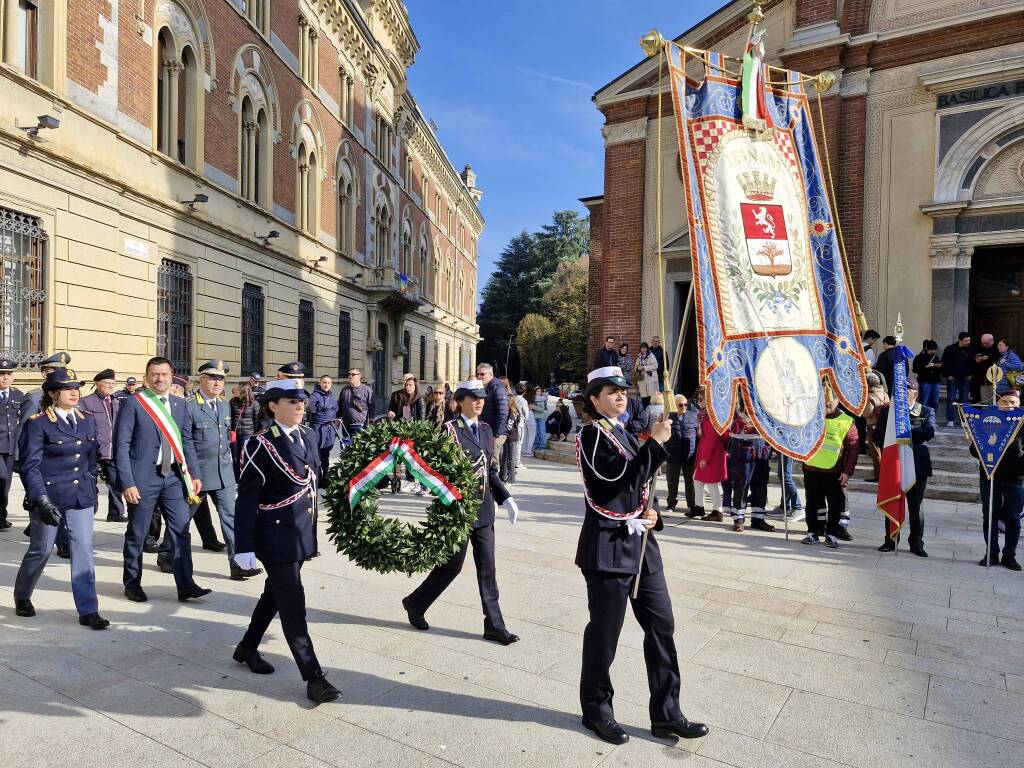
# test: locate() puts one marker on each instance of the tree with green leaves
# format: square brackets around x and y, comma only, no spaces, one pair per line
[565,304]
[535,340]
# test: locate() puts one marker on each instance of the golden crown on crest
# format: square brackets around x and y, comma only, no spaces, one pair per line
[757,185]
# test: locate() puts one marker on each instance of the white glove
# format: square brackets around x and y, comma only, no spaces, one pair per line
[636,525]
[246,561]
[513,509]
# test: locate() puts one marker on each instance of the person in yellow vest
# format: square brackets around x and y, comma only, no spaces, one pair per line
[826,474]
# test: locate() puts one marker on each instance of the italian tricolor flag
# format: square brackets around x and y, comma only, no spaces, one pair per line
[403,451]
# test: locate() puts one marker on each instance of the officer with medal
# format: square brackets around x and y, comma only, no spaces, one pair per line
[30,407]
[616,473]
[59,456]
[274,524]
[211,434]
[477,441]
[10,402]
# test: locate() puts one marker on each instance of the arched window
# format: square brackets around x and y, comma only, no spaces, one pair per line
[180,86]
[254,146]
[307,185]
[461,298]
[383,236]
[405,263]
[448,285]
[421,273]
[346,210]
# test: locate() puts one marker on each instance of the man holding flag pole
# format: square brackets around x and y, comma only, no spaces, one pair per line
[897,474]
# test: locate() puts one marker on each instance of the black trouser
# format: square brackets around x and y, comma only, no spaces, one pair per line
[486,575]
[607,595]
[325,464]
[203,519]
[115,504]
[823,490]
[283,593]
[915,496]
[6,477]
[672,472]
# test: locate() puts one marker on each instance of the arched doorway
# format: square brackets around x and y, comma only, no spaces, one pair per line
[997,293]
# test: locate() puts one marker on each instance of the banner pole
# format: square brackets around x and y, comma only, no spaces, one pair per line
[991,520]
[785,499]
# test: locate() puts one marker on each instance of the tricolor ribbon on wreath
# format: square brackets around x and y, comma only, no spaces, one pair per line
[403,451]
[168,427]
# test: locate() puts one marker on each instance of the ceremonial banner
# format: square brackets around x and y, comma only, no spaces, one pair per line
[774,312]
[897,474]
[991,429]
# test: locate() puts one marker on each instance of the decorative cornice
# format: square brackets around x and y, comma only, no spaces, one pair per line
[632,130]
[971,74]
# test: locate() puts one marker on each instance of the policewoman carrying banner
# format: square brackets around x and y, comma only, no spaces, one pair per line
[616,472]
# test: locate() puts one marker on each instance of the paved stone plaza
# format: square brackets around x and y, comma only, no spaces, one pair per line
[795,656]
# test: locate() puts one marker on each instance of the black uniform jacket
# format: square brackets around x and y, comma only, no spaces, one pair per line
[9,408]
[616,470]
[480,453]
[277,496]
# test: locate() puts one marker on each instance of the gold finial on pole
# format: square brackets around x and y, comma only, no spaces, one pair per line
[756,15]
[824,81]
[652,43]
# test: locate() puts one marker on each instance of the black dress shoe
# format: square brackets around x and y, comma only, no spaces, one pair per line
[93,621]
[681,728]
[135,594]
[502,636]
[761,525]
[164,565]
[238,574]
[215,546]
[63,552]
[1011,563]
[150,546]
[984,562]
[919,551]
[4,525]
[888,546]
[254,660]
[320,691]
[117,518]
[23,607]
[416,619]
[193,592]
[607,730]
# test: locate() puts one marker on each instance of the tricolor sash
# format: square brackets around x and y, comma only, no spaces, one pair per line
[168,427]
[401,450]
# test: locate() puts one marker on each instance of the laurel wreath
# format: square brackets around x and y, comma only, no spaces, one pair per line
[385,544]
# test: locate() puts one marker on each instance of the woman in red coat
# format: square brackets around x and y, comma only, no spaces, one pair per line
[710,468]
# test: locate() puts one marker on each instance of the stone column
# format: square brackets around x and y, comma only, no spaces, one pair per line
[951,288]
[171,128]
[303,206]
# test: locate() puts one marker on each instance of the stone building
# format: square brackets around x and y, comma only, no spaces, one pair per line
[241,179]
[925,130]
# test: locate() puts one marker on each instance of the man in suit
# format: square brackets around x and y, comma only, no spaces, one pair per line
[475,438]
[274,523]
[211,434]
[103,407]
[30,407]
[10,402]
[922,429]
[153,467]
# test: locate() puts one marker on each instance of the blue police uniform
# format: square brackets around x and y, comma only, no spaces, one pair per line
[138,443]
[321,411]
[10,404]
[478,445]
[58,465]
[274,517]
[616,472]
[211,435]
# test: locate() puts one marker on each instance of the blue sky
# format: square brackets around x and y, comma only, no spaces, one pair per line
[509,86]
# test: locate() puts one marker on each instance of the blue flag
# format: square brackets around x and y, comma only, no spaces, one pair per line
[991,429]
[901,406]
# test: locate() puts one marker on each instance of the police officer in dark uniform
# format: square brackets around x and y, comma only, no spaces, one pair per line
[29,408]
[477,441]
[211,434]
[616,473]
[59,457]
[274,523]
[10,402]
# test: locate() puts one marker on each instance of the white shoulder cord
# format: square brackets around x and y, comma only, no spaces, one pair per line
[593,455]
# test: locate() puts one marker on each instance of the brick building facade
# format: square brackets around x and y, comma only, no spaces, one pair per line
[289,117]
[925,130]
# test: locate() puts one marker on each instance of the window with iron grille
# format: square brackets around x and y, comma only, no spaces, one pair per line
[344,344]
[307,331]
[407,354]
[252,329]
[423,357]
[174,315]
[23,293]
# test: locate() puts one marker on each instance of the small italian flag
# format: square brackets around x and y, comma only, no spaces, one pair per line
[752,93]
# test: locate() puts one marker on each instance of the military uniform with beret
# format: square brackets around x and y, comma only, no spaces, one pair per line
[274,522]
[58,466]
[10,403]
[616,472]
